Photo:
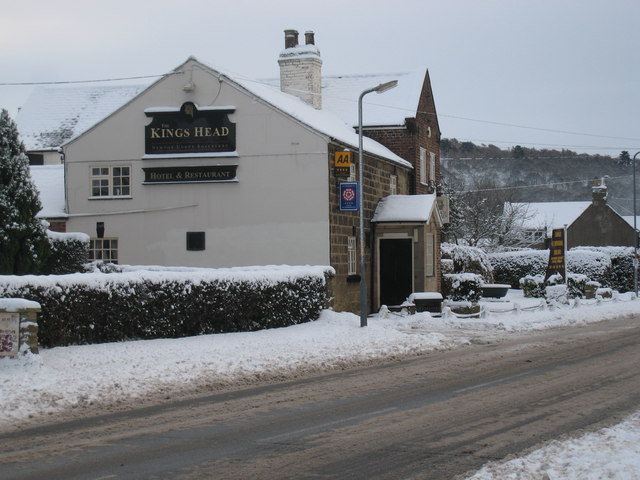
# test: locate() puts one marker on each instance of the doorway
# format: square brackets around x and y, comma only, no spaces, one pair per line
[396,270]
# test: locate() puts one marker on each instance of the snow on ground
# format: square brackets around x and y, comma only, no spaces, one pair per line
[63,378]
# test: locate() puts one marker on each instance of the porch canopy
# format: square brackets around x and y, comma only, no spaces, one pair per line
[405,209]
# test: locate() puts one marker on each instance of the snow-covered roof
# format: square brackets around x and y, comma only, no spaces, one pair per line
[405,208]
[49,180]
[53,115]
[340,95]
[550,215]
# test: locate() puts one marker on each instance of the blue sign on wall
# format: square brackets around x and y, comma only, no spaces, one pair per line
[349,196]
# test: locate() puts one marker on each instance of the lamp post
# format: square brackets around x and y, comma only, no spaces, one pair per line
[383,87]
[635,231]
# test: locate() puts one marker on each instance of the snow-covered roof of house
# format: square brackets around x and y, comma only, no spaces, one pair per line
[54,114]
[550,215]
[49,180]
[340,95]
[405,208]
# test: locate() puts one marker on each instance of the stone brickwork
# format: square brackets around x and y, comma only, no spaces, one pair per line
[346,224]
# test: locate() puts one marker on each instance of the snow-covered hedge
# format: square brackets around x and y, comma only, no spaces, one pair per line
[620,275]
[468,260]
[68,252]
[140,304]
[610,266]
[510,267]
[462,287]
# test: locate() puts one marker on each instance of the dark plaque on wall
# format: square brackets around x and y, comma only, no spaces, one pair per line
[190,130]
[205,173]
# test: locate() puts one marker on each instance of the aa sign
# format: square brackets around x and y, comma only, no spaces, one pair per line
[342,162]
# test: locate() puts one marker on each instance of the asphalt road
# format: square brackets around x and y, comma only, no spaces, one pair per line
[429,417]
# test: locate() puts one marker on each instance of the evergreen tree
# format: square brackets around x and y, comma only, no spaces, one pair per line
[23,241]
[625,159]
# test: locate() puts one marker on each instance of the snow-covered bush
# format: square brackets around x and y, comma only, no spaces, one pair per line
[68,253]
[510,267]
[534,285]
[107,307]
[447,265]
[620,276]
[462,287]
[595,265]
[468,260]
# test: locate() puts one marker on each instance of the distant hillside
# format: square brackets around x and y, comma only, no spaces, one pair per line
[536,175]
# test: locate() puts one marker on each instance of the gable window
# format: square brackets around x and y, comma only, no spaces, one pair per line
[423,166]
[109,182]
[195,241]
[105,249]
[393,184]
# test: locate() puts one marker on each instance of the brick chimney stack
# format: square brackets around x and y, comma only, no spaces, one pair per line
[599,191]
[300,68]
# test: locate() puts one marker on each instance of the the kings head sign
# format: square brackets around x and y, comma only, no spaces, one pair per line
[189,130]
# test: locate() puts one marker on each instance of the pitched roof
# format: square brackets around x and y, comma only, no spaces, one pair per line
[53,115]
[550,215]
[405,208]
[340,95]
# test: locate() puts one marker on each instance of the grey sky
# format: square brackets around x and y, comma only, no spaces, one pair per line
[555,65]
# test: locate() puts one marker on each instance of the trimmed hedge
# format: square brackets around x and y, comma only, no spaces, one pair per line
[609,266]
[108,307]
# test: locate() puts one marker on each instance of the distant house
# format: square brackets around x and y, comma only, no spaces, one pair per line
[592,223]
[208,168]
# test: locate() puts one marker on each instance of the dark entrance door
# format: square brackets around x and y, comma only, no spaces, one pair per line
[396,270]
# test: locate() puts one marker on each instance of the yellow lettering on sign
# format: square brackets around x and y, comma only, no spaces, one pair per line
[342,159]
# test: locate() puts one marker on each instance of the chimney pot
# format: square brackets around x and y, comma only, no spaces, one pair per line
[290,38]
[309,37]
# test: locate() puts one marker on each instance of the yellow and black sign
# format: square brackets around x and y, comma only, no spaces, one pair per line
[342,163]
[557,260]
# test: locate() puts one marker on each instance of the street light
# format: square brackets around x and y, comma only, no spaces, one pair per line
[635,231]
[383,87]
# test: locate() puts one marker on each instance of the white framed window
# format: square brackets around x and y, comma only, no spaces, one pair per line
[351,256]
[105,249]
[423,166]
[352,173]
[393,184]
[108,182]
[432,166]
[429,255]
